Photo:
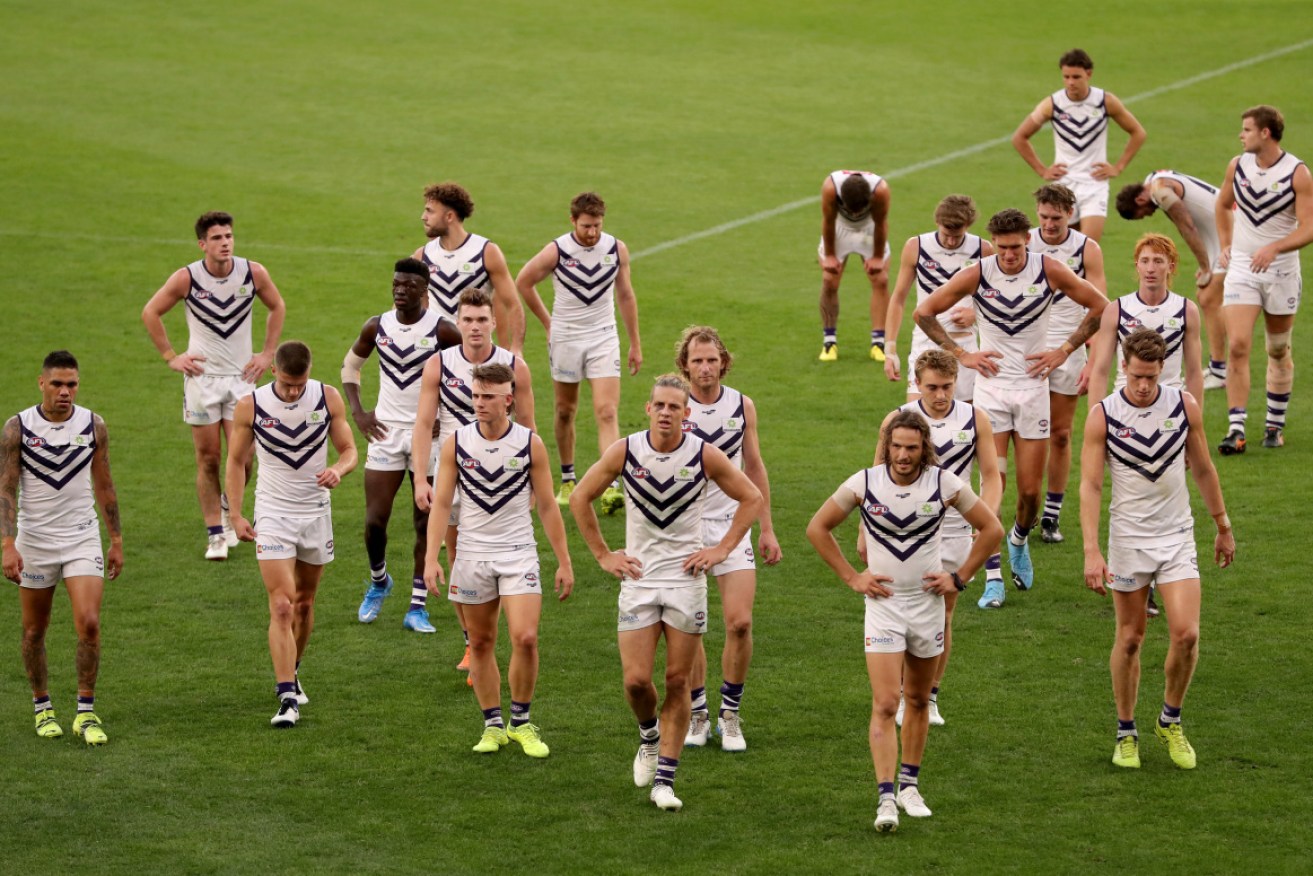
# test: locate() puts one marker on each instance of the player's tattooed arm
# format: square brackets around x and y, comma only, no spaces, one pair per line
[9,454]
[103,482]
[1088,327]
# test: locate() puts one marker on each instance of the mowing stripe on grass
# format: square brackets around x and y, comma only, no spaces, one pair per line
[716,230]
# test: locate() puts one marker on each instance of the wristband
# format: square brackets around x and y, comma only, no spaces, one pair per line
[958,582]
[169,355]
[1067,348]
[1224,525]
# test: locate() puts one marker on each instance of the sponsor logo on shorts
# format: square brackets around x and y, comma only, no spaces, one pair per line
[469,594]
[700,616]
[453,589]
[879,640]
[328,545]
[1043,424]
[35,577]
[271,548]
[747,552]
[100,562]
[628,619]
[616,363]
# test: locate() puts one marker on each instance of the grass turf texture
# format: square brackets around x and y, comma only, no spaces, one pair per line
[317,125]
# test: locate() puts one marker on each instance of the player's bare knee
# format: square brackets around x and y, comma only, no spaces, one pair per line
[481,642]
[87,626]
[207,460]
[565,413]
[1186,638]
[738,627]
[637,687]
[1278,346]
[1129,640]
[1060,439]
[916,700]
[280,611]
[677,683]
[884,707]
[525,640]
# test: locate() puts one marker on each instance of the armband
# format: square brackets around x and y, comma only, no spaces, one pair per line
[351,367]
[1164,197]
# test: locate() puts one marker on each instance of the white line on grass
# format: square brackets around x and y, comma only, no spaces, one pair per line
[172,241]
[959,153]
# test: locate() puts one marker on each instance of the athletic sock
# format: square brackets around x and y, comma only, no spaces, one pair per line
[699,697]
[1170,715]
[519,713]
[567,473]
[730,695]
[1276,409]
[286,690]
[877,338]
[648,732]
[934,694]
[665,774]
[466,634]
[1019,533]
[88,704]
[41,703]
[419,595]
[379,574]
[1126,728]
[1053,506]
[1217,367]
[831,335]
[1236,417]
[994,567]
[492,717]
[907,775]
[886,790]
[214,530]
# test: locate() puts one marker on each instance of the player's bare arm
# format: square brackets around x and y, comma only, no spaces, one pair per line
[991,478]
[240,441]
[1125,120]
[443,491]
[102,483]
[1210,487]
[726,475]
[588,490]
[960,286]
[360,351]
[820,532]
[627,304]
[268,294]
[1083,293]
[426,429]
[1224,212]
[1302,185]
[343,442]
[1102,350]
[534,272]
[1192,351]
[152,315]
[1093,450]
[509,313]
[893,315]
[1169,195]
[1030,126]
[522,405]
[9,475]
[768,546]
[549,513]
[874,263]
[829,213]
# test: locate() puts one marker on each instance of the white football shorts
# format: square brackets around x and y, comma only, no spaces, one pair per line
[739,559]
[474,582]
[913,623]
[1024,411]
[208,399]
[308,539]
[1134,569]
[393,452]
[1276,291]
[575,360]
[682,606]
[45,564]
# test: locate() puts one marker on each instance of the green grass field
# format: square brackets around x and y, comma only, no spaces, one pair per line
[317,125]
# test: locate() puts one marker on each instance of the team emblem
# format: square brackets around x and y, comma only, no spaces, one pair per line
[927,509]
[608,260]
[315,417]
[467,268]
[513,464]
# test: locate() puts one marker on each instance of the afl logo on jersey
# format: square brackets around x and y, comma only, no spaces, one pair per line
[470,463]
[36,441]
[931,265]
[1064,117]
[689,426]
[268,423]
[642,473]
[1125,433]
[453,382]
[385,341]
[876,510]
[988,293]
[1132,324]
[570,263]
[200,294]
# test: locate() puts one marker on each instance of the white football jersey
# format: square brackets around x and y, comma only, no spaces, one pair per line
[1080,132]
[291,445]
[56,502]
[1013,316]
[1265,209]
[1168,320]
[664,493]
[451,273]
[1066,315]
[862,215]
[402,352]
[1150,505]
[954,438]
[1200,201]
[455,402]
[901,524]
[721,425]
[219,317]
[935,265]
[584,283]
[495,493]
